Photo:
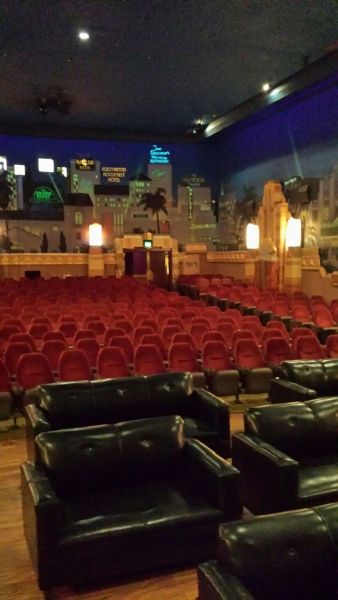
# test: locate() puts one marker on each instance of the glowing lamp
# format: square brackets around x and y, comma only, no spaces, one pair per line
[293,236]
[19,170]
[252,236]
[46,165]
[95,234]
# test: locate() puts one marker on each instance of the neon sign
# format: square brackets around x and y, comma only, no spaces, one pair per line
[114,174]
[158,156]
[85,164]
[44,194]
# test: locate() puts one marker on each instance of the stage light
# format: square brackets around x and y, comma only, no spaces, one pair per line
[252,236]
[19,170]
[265,87]
[46,165]
[84,36]
[3,163]
[95,235]
[293,236]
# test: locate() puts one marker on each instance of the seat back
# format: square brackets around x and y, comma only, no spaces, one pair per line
[74,366]
[123,342]
[277,350]
[128,452]
[13,353]
[33,369]
[52,350]
[182,357]
[332,346]
[155,338]
[309,348]
[23,337]
[148,360]
[112,362]
[297,559]
[247,355]
[215,356]
[91,349]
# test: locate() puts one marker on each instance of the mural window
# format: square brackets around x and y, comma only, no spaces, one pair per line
[78,218]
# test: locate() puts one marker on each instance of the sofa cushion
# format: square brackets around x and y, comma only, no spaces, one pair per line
[330,366]
[308,373]
[318,479]
[292,428]
[91,457]
[275,559]
[171,391]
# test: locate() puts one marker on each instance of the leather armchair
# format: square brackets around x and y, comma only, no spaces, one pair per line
[301,380]
[104,501]
[289,556]
[288,455]
[84,403]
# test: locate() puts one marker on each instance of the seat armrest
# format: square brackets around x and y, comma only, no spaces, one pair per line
[270,478]
[213,410]
[41,512]
[215,582]
[218,478]
[288,391]
[36,423]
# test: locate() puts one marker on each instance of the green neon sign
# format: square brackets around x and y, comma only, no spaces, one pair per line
[44,195]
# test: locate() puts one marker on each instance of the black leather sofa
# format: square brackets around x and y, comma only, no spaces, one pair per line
[288,455]
[104,501]
[290,556]
[301,380]
[84,403]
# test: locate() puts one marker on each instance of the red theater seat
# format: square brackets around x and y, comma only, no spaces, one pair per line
[248,358]
[223,379]
[148,360]
[74,366]
[111,362]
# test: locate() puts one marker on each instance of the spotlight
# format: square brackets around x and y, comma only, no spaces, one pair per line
[84,36]
[265,87]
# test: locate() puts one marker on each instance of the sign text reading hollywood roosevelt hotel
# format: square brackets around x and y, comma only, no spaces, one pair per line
[158,156]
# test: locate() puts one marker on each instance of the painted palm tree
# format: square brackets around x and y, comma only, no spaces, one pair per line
[155,202]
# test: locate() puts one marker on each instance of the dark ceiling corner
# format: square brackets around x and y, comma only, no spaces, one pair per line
[312,73]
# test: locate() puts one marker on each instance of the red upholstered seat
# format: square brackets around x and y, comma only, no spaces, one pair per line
[111,362]
[74,366]
[148,360]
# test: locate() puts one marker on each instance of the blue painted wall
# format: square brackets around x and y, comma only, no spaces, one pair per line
[296,136]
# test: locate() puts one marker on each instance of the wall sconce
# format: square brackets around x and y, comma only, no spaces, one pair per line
[293,236]
[95,235]
[252,236]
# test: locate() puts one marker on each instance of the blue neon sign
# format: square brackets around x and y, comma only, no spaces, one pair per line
[158,156]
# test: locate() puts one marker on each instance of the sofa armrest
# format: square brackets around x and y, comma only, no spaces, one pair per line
[213,410]
[41,520]
[218,478]
[288,391]
[269,478]
[215,582]
[36,423]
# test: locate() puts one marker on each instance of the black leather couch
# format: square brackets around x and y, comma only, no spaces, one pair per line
[83,403]
[290,556]
[301,380]
[288,455]
[109,500]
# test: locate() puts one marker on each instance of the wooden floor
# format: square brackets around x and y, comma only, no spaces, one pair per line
[17,578]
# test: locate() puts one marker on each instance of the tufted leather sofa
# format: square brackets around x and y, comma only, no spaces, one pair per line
[108,500]
[83,403]
[302,380]
[288,455]
[290,556]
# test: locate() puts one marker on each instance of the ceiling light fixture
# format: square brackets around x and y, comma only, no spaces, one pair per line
[84,35]
[265,87]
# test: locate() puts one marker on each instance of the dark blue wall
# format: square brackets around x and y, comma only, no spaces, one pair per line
[185,158]
[295,136]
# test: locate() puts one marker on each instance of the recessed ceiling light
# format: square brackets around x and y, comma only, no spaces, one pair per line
[265,87]
[84,35]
